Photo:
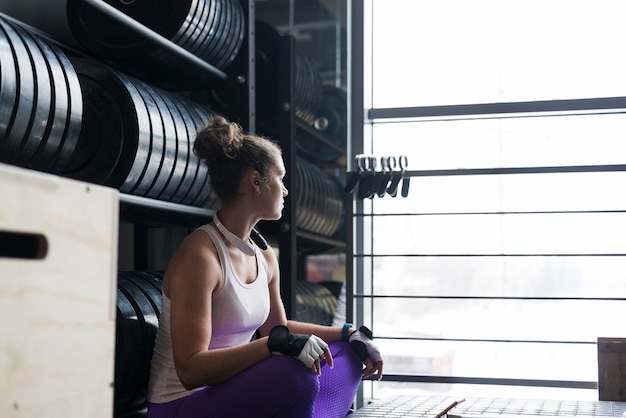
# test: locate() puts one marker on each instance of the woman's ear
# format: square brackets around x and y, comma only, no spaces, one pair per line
[254,180]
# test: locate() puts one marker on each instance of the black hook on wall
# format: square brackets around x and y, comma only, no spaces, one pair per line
[369,182]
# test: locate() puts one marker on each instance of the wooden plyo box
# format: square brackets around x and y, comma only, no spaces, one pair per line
[612,369]
[58,274]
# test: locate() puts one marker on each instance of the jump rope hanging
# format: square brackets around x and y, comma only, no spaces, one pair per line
[368,181]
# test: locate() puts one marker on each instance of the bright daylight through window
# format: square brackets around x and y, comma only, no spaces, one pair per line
[507,260]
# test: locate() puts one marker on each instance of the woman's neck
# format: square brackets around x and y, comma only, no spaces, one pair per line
[240,238]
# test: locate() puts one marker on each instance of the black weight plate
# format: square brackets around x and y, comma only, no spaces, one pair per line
[206,28]
[35,134]
[191,164]
[57,126]
[26,93]
[297,194]
[211,31]
[308,88]
[128,352]
[74,117]
[181,152]
[192,40]
[194,163]
[45,142]
[136,144]
[225,41]
[154,139]
[304,207]
[188,25]
[237,37]
[309,195]
[337,203]
[162,55]
[149,289]
[330,207]
[201,169]
[8,89]
[168,151]
[318,198]
[222,34]
[204,186]
[105,125]
[333,206]
[106,38]
[235,34]
[153,279]
[149,324]
[334,111]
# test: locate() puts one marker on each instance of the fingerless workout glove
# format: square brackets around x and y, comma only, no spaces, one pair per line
[307,348]
[362,344]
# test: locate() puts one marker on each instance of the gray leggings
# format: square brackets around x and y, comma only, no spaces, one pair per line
[277,387]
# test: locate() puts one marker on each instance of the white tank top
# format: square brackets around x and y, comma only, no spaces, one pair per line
[238,309]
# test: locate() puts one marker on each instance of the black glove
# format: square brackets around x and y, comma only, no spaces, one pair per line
[307,348]
[362,344]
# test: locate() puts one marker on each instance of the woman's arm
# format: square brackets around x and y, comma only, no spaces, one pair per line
[192,276]
[326,333]
[277,312]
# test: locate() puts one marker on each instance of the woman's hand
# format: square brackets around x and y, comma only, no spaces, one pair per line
[309,349]
[362,344]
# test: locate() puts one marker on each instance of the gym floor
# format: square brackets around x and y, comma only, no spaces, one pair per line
[433,406]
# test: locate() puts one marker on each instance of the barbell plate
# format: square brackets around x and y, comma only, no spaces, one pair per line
[221,33]
[146,159]
[230,33]
[104,37]
[8,89]
[180,142]
[105,123]
[168,147]
[207,38]
[74,115]
[25,96]
[191,164]
[49,146]
[128,351]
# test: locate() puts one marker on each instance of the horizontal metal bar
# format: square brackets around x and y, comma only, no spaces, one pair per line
[518,170]
[483,340]
[564,298]
[490,255]
[539,212]
[602,168]
[321,239]
[153,36]
[569,384]
[165,206]
[604,103]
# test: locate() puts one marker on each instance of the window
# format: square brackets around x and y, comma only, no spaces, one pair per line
[507,260]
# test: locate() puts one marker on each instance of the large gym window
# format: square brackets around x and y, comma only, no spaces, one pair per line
[507,260]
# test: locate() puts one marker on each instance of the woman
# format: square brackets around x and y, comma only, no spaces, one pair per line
[220,287]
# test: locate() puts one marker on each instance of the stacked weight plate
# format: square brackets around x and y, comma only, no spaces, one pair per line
[139,304]
[332,124]
[307,96]
[318,199]
[138,138]
[40,101]
[213,30]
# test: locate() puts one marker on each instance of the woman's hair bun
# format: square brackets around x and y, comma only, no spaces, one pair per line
[220,139]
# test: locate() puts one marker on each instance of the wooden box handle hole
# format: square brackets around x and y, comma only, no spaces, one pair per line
[23,245]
